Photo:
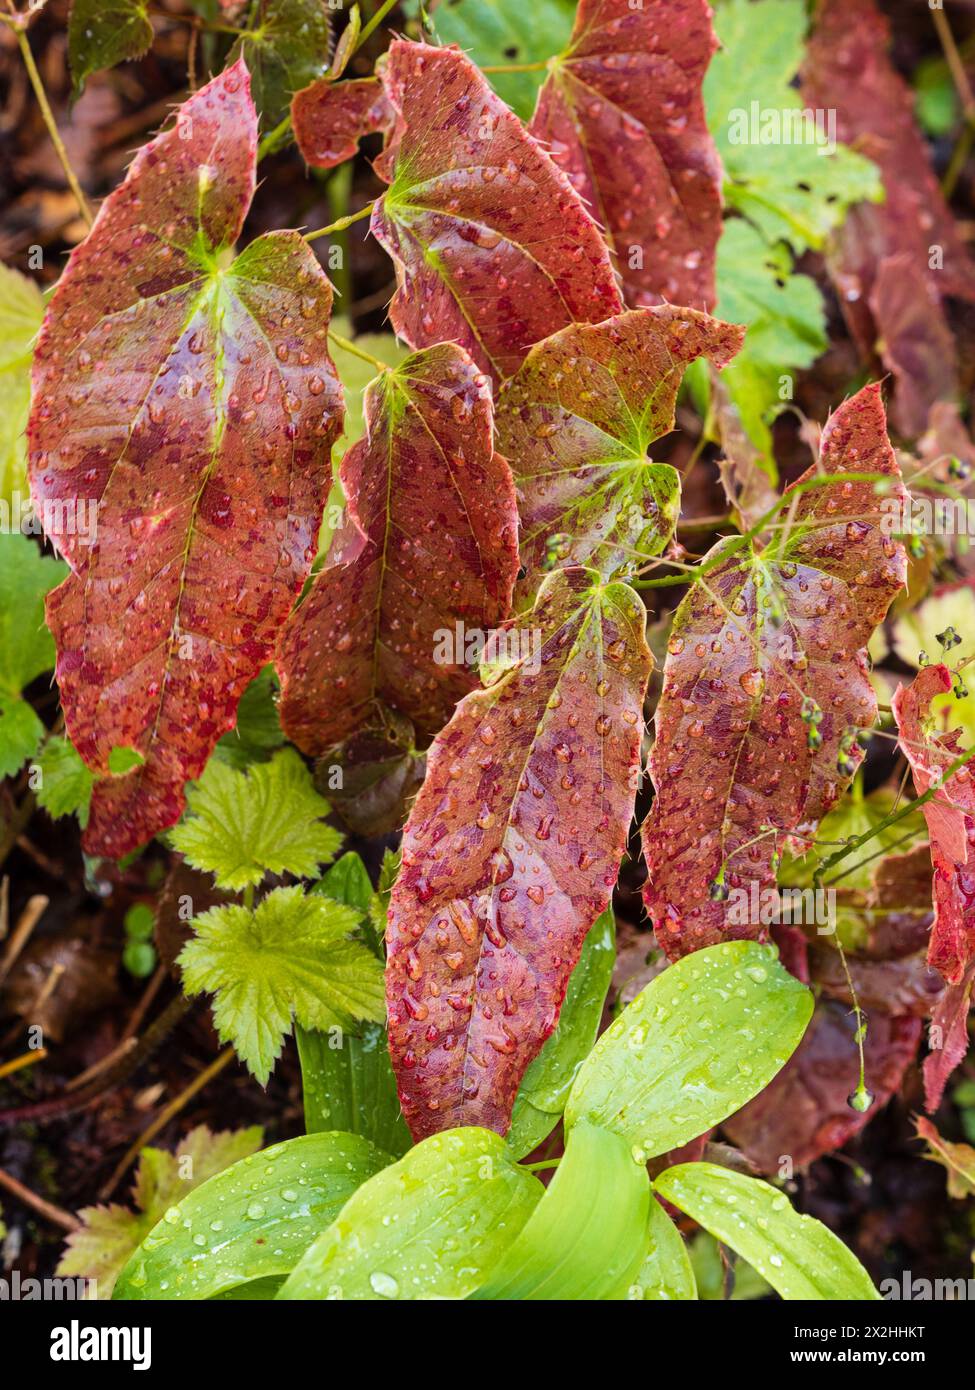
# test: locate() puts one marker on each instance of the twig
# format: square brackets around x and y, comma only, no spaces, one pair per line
[96,1068]
[163,1119]
[27,1059]
[52,128]
[28,920]
[57,1215]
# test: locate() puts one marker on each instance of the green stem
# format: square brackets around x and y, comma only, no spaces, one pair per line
[376,20]
[348,346]
[540,1167]
[342,223]
[52,128]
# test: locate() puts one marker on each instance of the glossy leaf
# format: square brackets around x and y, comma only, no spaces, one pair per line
[577,422]
[799,1256]
[286,48]
[950,818]
[256,736]
[26,650]
[432,514]
[622,114]
[546,1084]
[330,118]
[252,1221]
[667,1273]
[587,1238]
[102,33]
[948,1037]
[432,1226]
[205,447]
[702,1038]
[770,643]
[21,311]
[511,853]
[493,248]
[805,1111]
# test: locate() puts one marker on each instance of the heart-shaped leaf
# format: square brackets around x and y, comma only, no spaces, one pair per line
[577,421]
[703,1037]
[493,248]
[426,562]
[766,685]
[193,403]
[511,853]
[622,114]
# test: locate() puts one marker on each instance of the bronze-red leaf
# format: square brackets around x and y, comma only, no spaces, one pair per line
[493,248]
[330,118]
[511,853]
[191,401]
[424,567]
[766,659]
[623,116]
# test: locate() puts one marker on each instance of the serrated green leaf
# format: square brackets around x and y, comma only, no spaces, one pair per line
[543,1092]
[791,189]
[102,33]
[799,1256]
[287,48]
[110,1234]
[253,1221]
[241,825]
[666,1273]
[704,1037]
[587,1238]
[257,732]
[26,647]
[289,958]
[503,32]
[65,783]
[429,1227]
[21,312]
[347,882]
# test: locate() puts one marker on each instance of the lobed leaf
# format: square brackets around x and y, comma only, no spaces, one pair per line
[702,1038]
[577,421]
[799,1256]
[511,852]
[242,825]
[252,1221]
[586,1239]
[331,118]
[431,1226]
[493,248]
[769,643]
[287,47]
[204,453]
[429,551]
[622,114]
[290,958]
[64,785]
[102,33]
[958,1160]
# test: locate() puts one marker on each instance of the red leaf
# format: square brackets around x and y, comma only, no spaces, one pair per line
[950,818]
[493,248]
[804,1112]
[767,630]
[511,853]
[330,118]
[622,114]
[196,407]
[882,260]
[577,421]
[947,1037]
[431,543]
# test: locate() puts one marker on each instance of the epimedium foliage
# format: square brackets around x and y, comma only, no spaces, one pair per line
[472,655]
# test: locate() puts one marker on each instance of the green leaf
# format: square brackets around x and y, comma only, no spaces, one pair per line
[64,784]
[21,312]
[501,32]
[287,49]
[667,1272]
[348,1084]
[543,1092]
[123,760]
[288,958]
[253,1221]
[26,647]
[110,1234]
[799,1256]
[587,1238]
[347,882]
[102,33]
[429,1227]
[791,189]
[257,732]
[785,317]
[241,825]
[936,100]
[704,1037]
